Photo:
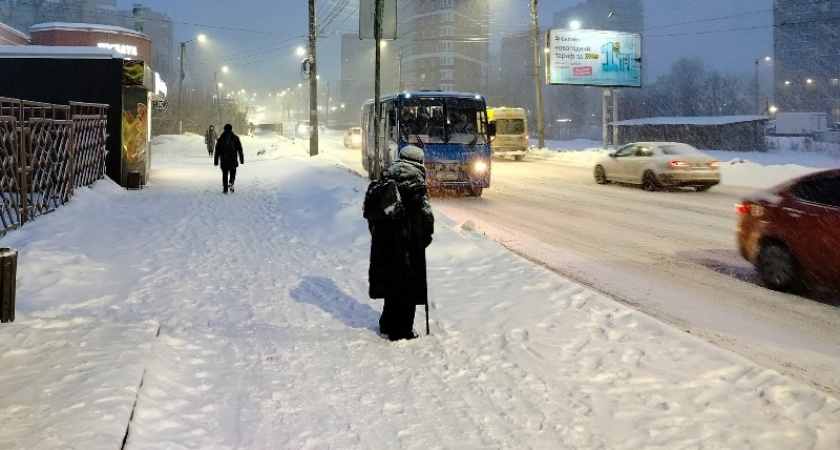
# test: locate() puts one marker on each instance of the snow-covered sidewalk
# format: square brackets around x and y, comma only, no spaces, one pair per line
[268,339]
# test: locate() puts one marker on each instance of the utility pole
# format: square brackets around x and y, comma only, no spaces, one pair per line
[377,37]
[313,83]
[218,100]
[327,109]
[399,73]
[181,90]
[537,77]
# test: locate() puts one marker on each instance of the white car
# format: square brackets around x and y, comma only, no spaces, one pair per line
[353,138]
[657,165]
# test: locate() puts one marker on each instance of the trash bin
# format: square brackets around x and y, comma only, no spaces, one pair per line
[134,180]
[8,283]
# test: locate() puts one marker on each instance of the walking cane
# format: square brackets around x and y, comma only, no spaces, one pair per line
[427,317]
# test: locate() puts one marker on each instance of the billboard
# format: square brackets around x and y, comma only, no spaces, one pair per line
[594,58]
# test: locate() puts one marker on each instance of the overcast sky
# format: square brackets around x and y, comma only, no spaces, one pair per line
[257,38]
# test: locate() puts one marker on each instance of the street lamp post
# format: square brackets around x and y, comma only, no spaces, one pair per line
[757,107]
[200,38]
[218,99]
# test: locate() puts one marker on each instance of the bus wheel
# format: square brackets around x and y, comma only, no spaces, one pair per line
[518,157]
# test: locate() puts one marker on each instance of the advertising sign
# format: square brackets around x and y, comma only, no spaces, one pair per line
[594,58]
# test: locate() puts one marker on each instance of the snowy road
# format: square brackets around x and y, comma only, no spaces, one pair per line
[671,255]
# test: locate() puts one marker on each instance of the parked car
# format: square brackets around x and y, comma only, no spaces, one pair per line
[656,165]
[791,232]
[353,138]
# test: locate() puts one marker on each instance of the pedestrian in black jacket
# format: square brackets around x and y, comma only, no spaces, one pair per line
[399,238]
[228,147]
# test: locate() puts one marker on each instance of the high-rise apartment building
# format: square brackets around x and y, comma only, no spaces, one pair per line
[806,55]
[447,46]
[441,45]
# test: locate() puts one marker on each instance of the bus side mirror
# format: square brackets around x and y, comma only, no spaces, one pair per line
[491,130]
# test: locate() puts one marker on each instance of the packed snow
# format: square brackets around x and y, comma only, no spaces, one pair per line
[246,316]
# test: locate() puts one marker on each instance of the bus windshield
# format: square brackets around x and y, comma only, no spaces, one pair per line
[442,120]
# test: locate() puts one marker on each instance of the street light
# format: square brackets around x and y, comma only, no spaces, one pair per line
[200,38]
[766,58]
[218,100]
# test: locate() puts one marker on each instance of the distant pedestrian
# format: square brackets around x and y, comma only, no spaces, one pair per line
[228,147]
[401,225]
[210,139]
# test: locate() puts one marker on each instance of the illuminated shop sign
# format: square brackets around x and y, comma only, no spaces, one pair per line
[127,50]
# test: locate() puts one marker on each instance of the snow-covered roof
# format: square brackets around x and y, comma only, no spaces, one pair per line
[703,120]
[49,26]
[58,52]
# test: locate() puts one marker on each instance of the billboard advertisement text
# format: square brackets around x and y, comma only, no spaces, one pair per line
[594,58]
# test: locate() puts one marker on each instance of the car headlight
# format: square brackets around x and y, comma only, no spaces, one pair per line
[479,166]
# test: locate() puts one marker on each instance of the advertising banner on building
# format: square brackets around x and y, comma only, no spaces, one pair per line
[594,58]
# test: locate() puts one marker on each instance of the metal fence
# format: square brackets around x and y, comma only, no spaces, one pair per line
[46,151]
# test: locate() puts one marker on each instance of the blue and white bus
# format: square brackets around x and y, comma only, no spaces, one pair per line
[450,127]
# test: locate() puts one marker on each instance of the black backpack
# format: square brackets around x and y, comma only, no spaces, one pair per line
[382,200]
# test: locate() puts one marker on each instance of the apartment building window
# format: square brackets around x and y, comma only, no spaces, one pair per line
[447,87]
[447,74]
[445,46]
[447,31]
[447,61]
[835,81]
[446,3]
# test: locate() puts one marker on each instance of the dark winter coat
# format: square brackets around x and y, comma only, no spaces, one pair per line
[210,137]
[228,147]
[398,242]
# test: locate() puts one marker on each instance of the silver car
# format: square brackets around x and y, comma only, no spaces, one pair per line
[657,165]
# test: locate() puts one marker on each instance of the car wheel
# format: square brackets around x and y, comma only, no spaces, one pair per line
[649,182]
[600,176]
[777,267]
[518,158]
[476,191]
[702,188]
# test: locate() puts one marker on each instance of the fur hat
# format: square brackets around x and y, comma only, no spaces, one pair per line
[228,127]
[412,153]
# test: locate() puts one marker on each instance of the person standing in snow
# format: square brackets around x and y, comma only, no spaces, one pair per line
[228,147]
[400,233]
[210,139]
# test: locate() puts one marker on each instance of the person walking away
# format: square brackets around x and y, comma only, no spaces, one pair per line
[228,147]
[210,139]
[401,226]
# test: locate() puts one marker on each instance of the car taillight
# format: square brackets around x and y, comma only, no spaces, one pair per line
[679,164]
[742,208]
[714,164]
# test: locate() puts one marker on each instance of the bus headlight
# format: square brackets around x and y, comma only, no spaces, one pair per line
[480,166]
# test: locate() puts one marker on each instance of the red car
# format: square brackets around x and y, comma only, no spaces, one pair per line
[791,233]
